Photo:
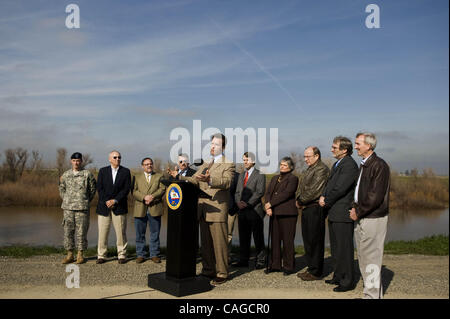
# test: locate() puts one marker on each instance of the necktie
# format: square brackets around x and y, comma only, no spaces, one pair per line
[246,178]
[148,178]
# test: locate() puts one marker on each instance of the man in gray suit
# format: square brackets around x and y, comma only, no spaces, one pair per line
[249,191]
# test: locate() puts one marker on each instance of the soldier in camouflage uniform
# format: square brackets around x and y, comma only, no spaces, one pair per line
[76,188]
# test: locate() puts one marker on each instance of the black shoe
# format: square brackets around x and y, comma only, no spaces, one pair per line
[240,264]
[343,288]
[288,272]
[100,261]
[269,270]
[332,282]
[260,266]
[122,261]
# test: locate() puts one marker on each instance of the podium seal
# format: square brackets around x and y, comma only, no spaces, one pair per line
[174,196]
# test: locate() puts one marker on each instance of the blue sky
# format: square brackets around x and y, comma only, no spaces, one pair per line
[136,70]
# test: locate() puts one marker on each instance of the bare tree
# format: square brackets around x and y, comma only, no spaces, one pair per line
[87,160]
[15,161]
[36,160]
[61,161]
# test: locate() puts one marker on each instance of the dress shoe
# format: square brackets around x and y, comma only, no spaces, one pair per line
[218,281]
[332,281]
[307,276]
[269,270]
[156,259]
[342,288]
[260,266]
[140,260]
[288,272]
[240,264]
[122,261]
[100,261]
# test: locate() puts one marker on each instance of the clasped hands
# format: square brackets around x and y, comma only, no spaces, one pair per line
[268,208]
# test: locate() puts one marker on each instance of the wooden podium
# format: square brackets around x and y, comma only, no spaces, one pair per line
[182,226]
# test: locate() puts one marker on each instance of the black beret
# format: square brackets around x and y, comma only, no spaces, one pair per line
[77,155]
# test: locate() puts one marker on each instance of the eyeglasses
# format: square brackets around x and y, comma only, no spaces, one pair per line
[117,157]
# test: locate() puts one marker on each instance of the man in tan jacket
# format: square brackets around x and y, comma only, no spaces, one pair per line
[214,177]
[148,192]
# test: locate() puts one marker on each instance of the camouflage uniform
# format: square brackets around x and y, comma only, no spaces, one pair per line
[76,189]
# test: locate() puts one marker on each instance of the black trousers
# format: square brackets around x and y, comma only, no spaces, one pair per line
[313,233]
[342,252]
[249,222]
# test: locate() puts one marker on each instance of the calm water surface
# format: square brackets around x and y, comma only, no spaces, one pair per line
[42,226]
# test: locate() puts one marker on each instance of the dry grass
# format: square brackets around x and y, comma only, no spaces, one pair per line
[41,189]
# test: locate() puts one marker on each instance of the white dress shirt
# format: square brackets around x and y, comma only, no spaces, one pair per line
[114,173]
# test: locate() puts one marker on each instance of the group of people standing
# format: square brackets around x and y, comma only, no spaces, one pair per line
[355,201]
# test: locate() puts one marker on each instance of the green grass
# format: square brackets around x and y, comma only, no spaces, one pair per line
[436,245]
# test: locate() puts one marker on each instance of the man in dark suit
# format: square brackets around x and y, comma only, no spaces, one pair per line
[337,199]
[249,191]
[113,186]
[183,168]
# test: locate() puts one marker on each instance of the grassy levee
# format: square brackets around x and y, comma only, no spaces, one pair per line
[436,245]
[40,189]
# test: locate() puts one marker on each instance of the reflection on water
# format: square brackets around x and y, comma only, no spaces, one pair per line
[42,226]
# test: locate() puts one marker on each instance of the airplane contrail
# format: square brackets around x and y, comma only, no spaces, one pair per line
[259,65]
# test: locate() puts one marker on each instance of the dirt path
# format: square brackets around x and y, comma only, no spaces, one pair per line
[404,276]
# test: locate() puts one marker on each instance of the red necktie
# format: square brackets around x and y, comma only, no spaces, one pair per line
[246,178]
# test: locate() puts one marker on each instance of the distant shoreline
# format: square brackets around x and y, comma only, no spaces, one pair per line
[40,189]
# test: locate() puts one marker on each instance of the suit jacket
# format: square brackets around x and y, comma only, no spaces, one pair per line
[373,192]
[143,188]
[340,190]
[221,176]
[282,200]
[252,192]
[118,191]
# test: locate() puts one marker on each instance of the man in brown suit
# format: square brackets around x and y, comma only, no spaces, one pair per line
[148,192]
[214,177]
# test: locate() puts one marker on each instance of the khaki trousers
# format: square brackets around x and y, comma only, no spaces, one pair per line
[369,238]
[120,227]
[231,220]
[214,248]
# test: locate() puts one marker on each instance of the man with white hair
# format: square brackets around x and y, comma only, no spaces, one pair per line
[370,213]
[113,186]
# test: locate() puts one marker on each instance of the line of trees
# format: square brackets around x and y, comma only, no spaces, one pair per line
[16,161]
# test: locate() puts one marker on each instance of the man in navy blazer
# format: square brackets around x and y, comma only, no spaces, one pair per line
[337,199]
[113,186]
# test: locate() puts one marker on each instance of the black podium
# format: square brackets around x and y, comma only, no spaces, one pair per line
[180,277]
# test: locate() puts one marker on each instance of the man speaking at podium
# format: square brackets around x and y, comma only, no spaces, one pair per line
[214,177]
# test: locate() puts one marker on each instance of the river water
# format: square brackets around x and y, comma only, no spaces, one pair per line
[42,226]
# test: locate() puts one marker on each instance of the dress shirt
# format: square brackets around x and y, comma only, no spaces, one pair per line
[359,178]
[114,173]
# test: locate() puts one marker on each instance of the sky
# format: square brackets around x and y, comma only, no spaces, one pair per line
[135,71]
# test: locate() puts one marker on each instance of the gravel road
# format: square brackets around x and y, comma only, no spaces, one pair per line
[404,276]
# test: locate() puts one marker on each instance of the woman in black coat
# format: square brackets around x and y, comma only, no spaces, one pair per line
[280,206]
